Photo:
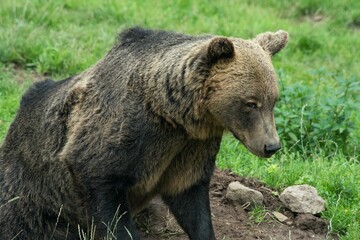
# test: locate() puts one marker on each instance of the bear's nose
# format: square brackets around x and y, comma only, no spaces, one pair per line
[270,149]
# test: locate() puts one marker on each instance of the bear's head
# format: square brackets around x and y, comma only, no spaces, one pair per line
[242,89]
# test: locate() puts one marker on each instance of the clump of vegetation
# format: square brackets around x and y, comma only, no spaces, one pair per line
[320,116]
[258,214]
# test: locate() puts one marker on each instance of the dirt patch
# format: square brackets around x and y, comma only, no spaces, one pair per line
[231,221]
[355,23]
[315,18]
[21,75]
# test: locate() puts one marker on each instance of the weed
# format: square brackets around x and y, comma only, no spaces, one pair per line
[320,117]
[258,214]
[308,44]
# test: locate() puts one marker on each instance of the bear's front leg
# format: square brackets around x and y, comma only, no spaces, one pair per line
[191,209]
[112,214]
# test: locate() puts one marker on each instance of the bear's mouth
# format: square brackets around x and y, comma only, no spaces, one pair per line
[242,139]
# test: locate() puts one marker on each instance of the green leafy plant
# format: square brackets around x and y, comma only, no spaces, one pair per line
[319,117]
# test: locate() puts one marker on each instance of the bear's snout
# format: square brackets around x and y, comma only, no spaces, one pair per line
[270,149]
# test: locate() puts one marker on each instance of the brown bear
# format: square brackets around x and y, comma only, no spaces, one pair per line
[85,154]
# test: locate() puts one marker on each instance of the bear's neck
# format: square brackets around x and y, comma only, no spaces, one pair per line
[170,84]
[175,91]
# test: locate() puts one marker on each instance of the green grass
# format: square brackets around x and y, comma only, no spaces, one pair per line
[65,36]
[318,114]
[258,214]
[10,93]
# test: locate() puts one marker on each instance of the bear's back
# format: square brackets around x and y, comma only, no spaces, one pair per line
[147,41]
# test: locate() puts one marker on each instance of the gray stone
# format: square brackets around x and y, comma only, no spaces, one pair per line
[280,217]
[244,195]
[302,199]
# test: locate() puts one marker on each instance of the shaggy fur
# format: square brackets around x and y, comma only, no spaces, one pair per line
[146,120]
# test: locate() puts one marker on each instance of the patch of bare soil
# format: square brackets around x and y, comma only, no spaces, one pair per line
[21,75]
[231,221]
[315,18]
[355,24]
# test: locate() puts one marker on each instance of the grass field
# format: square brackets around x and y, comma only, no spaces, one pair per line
[318,115]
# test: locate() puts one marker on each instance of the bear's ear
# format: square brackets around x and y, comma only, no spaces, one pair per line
[220,48]
[272,42]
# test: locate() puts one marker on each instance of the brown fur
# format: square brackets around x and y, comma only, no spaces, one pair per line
[146,120]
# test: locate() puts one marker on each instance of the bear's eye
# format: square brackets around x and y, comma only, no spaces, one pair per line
[252,105]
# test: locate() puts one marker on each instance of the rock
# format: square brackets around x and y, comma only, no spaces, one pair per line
[216,194]
[289,223]
[310,222]
[302,199]
[280,217]
[318,18]
[244,195]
